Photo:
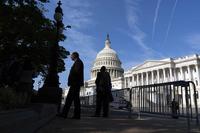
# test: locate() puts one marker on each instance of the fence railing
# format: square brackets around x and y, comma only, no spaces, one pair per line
[121,98]
[159,98]
[156,99]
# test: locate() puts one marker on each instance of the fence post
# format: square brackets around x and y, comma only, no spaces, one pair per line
[195,102]
[139,103]
[187,108]
[130,103]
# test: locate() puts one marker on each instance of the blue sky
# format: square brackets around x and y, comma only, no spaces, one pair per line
[139,29]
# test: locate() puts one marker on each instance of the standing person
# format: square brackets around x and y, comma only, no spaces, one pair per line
[175,108]
[75,81]
[103,89]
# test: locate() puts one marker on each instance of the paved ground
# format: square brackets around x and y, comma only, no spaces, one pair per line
[118,122]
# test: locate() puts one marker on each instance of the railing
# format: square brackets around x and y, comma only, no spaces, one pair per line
[156,99]
[121,99]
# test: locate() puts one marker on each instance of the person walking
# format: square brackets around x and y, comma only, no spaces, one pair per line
[103,90]
[75,81]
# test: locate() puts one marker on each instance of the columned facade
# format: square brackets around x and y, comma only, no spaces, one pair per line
[167,70]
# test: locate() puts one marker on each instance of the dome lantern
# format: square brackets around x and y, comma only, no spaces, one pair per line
[107,42]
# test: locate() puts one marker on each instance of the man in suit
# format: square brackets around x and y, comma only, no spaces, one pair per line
[75,81]
[103,89]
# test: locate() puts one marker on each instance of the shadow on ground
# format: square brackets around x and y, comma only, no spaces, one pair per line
[116,124]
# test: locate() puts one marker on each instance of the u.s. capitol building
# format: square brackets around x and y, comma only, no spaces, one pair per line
[150,72]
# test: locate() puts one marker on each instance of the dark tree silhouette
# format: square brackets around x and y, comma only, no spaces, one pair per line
[26,32]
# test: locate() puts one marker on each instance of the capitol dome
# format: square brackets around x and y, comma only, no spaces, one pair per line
[107,57]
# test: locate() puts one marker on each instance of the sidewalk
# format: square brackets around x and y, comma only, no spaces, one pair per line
[116,124]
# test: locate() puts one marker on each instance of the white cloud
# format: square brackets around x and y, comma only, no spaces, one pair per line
[79,16]
[136,33]
[170,20]
[155,18]
[83,43]
[77,13]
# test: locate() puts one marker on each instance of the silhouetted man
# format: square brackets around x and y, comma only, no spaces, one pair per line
[103,89]
[175,108]
[75,81]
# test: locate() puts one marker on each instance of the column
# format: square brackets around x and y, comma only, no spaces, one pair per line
[130,82]
[147,78]
[197,71]
[164,75]
[182,75]
[170,74]
[124,82]
[142,77]
[137,79]
[158,76]
[133,82]
[152,77]
[175,77]
[189,73]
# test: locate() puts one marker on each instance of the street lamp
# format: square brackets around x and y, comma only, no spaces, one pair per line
[51,92]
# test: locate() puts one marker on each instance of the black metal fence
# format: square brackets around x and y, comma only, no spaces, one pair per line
[156,99]
[121,99]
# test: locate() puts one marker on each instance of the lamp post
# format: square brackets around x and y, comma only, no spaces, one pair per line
[51,92]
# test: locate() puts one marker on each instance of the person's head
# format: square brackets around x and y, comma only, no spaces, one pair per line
[74,56]
[103,69]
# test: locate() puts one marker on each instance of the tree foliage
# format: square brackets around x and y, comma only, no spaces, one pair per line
[25,31]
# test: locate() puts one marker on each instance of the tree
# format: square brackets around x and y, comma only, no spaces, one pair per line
[26,32]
